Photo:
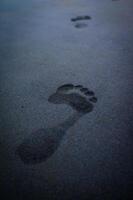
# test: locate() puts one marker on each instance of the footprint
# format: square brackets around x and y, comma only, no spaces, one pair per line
[42,143]
[79,98]
[79,18]
[77,21]
[80,25]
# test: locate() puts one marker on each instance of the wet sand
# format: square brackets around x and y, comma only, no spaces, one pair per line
[44,45]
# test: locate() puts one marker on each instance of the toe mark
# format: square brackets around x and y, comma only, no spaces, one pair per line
[93,99]
[78,86]
[89,93]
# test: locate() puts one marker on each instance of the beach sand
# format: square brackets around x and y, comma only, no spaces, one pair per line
[45,44]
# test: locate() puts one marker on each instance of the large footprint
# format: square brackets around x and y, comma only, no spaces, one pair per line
[78,97]
[42,143]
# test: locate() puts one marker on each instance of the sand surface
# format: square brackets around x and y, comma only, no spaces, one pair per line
[42,48]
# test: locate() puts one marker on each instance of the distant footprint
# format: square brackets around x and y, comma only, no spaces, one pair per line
[79,18]
[78,97]
[80,25]
[42,143]
[77,21]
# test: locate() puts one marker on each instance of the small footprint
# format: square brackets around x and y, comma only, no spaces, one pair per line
[79,18]
[80,25]
[41,144]
[78,21]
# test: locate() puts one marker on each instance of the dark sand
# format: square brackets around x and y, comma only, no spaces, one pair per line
[42,49]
